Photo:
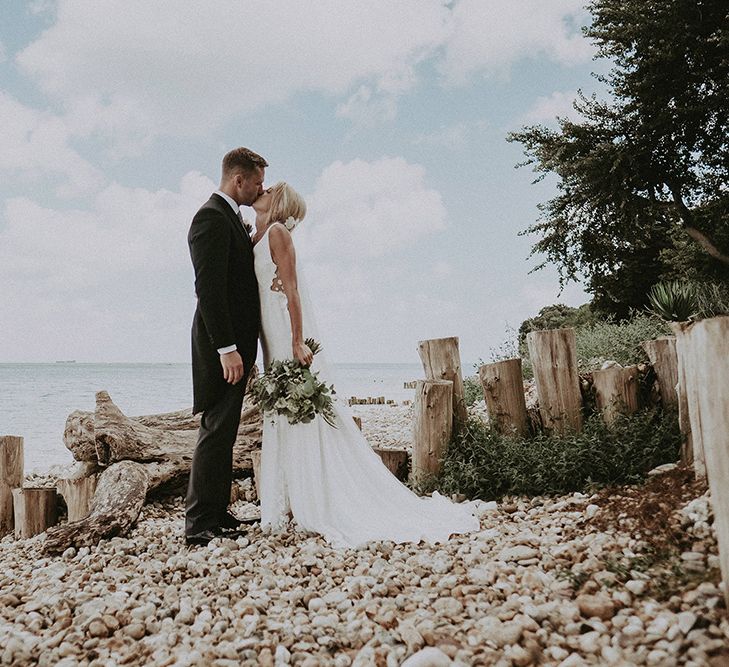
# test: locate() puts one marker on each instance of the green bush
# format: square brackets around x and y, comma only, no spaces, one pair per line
[712,299]
[619,341]
[473,391]
[558,316]
[481,463]
[596,343]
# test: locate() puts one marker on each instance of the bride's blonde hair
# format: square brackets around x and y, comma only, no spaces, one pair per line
[285,203]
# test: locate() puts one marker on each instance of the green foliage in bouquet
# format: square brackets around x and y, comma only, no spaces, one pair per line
[290,389]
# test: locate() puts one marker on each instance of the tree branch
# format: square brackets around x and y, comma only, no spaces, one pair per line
[707,245]
[688,219]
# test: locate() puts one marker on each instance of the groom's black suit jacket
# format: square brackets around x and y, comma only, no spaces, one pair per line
[228,309]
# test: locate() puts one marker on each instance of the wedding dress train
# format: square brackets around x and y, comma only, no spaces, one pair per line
[329,478]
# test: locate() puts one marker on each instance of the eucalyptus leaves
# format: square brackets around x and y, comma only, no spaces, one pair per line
[290,389]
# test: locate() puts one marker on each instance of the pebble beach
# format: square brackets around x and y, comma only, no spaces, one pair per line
[549,580]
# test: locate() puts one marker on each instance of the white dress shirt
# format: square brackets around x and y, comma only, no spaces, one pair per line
[236,210]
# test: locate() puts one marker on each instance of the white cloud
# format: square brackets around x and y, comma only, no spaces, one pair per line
[361,208]
[451,136]
[36,144]
[488,37]
[547,109]
[112,281]
[368,108]
[179,68]
[132,70]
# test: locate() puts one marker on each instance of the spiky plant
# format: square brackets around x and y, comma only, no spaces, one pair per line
[674,301]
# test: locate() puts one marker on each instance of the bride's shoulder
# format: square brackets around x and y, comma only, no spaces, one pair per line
[278,234]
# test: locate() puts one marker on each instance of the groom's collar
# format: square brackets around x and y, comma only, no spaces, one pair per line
[230,201]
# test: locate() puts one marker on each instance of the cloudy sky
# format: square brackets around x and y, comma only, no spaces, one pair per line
[390,117]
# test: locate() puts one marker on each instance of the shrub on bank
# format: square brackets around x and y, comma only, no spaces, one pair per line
[596,343]
[482,463]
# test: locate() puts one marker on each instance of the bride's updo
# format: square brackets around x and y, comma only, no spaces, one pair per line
[285,203]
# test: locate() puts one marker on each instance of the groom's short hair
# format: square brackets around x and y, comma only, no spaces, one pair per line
[242,160]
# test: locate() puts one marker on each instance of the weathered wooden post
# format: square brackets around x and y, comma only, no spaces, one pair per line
[78,494]
[442,361]
[503,389]
[616,391]
[553,354]
[11,477]
[707,344]
[663,358]
[396,461]
[35,510]
[256,462]
[688,413]
[432,426]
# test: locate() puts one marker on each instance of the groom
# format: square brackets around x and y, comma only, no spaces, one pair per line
[224,339]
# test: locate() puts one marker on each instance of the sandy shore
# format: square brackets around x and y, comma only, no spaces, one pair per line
[545,581]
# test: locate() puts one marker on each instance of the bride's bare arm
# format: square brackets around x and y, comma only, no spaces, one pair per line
[284,257]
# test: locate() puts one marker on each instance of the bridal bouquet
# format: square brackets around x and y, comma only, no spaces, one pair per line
[290,389]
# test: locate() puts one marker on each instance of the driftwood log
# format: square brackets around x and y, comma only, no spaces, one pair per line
[108,436]
[138,457]
[119,497]
[11,476]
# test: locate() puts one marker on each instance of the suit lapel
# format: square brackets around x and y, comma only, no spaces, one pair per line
[227,211]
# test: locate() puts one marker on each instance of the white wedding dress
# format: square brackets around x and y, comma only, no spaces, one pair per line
[329,478]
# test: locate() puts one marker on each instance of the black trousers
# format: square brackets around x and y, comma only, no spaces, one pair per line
[211,475]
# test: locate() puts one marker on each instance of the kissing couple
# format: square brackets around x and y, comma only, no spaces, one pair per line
[249,284]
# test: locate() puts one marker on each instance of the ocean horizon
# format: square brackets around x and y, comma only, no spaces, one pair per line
[36,398]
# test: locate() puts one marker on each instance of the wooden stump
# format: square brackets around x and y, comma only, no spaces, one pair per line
[11,477]
[396,461]
[663,358]
[256,462]
[36,509]
[553,355]
[684,419]
[442,361]
[707,347]
[503,389]
[432,426]
[689,383]
[616,391]
[78,494]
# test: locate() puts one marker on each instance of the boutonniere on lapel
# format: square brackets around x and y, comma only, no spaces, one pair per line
[248,226]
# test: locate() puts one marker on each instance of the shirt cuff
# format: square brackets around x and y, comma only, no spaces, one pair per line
[229,348]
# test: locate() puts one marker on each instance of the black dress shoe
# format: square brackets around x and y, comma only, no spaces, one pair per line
[229,522]
[201,539]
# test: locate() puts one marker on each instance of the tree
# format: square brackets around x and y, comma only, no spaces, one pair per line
[643,191]
[557,316]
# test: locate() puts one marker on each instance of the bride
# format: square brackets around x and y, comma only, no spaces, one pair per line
[328,479]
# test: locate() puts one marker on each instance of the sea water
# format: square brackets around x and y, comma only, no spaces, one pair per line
[36,399]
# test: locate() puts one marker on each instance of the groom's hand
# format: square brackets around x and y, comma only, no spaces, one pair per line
[232,364]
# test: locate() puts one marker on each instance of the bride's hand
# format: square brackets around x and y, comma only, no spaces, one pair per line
[303,354]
